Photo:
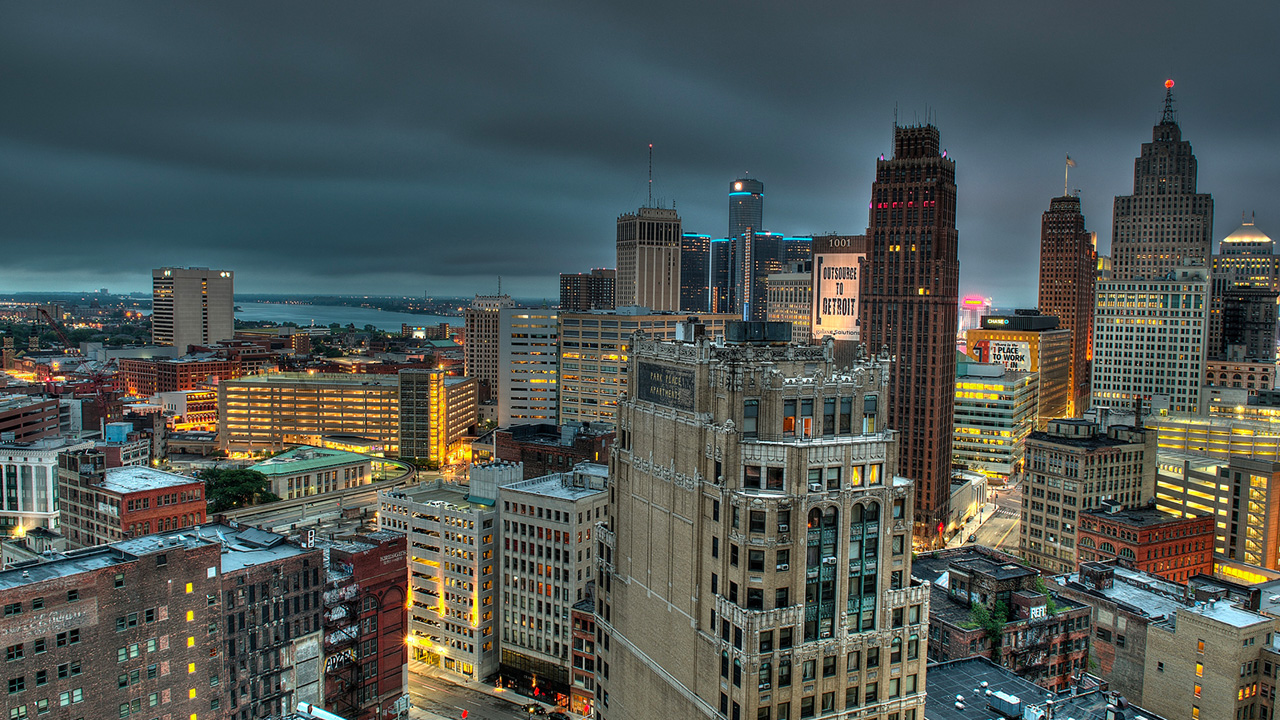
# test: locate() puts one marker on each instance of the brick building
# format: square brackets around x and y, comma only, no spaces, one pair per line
[101,504]
[365,623]
[1153,541]
[28,418]
[145,377]
[582,673]
[1041,636]
[546,448]
[115,631]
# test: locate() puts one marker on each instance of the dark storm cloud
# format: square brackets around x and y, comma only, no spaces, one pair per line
[403,146]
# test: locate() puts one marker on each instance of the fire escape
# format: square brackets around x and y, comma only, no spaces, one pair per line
[341,648]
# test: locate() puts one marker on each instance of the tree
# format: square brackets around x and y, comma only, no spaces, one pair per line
[235,488]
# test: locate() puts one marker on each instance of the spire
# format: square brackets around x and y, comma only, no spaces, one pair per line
[1169,116]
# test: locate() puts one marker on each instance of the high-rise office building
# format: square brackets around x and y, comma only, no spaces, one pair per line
[746,206]
[1245,262]
[753,257]
[719,264]
[480,353]
[1160,245]
[789,298]
[838,266]
[649,259]
[593,290]
[759,537]
[1030,342]
[910,304]
[192,306]
[528,365]
[1068,270]
[695,273]
[1165,223]
[436,411]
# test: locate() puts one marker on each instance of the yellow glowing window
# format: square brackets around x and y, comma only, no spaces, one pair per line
[191,615]
[1197,691]
[1199,669]
[191,668]
[1200,646]
[191,642]
[191,693]
[193,716]
[189,588]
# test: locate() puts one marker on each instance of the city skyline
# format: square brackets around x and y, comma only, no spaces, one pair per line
[344,151]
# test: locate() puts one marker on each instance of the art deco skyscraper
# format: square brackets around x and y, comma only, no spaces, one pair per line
[1165,223]
[1161,238]
[649,259]
[1068,269]
[755,558]
[910,305]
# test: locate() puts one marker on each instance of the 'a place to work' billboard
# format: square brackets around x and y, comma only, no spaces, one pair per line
[1011,354]
[837,268]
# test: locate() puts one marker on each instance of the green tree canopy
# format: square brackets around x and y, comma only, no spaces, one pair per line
[235,488]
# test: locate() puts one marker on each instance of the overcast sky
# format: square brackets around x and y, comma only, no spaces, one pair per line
[411,147]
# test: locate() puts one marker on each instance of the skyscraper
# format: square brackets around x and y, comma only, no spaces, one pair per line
[759,537]
[528,365]
[719,290]
[1246,259]
[746,206]
[695,272]
[1165,223]
[480,352]
[753,257]
[1068,269]
[1161,238]
[192,306]
[649,259]
[595,290]
[910,305]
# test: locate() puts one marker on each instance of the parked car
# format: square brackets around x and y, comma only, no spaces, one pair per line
[534,709]
[973,537]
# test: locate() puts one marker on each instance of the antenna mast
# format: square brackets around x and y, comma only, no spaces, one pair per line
[650,175]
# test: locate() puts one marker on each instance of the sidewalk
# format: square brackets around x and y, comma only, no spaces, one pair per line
[516,699]
[985,513]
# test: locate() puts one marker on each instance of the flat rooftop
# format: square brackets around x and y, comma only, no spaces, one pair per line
[428,493]
[303,459]
[242,547]
[966,677]
[74,563]
[137,478]
[1140,517]
[585,480]
[301,378]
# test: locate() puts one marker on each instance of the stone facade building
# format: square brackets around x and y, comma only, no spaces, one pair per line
[755,560]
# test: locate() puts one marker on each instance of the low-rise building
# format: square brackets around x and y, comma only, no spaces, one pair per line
[1148,539]
[306,471]
[145,377]
[29,474]
[1237,492]
[190,409]
[453,568]
[547,565]
[986,603]
[24,418]
[100,504]
[546,448]
[789,298]
[269,412]
[130,627]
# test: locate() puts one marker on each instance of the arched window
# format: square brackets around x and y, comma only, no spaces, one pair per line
[830,518]
[1127,554]
[872,512]
[855,514]
[1086,542]
[815,518]
[1108,548]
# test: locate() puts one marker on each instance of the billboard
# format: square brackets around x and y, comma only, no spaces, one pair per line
[837,269]
[1011,354]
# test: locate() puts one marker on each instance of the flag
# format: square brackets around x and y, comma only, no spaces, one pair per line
[1070,162]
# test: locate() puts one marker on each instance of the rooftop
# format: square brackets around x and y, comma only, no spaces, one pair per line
[137,478]
[299,378]
[305,458]
[431,493]
[65,565]
[1135,592]
[1140,517]
[48,444]
[585,480]
[242,547]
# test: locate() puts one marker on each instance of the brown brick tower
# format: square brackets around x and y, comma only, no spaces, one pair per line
[1068,267]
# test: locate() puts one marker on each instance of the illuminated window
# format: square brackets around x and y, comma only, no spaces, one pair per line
[191,615]
[189,588]
[1197,691]
[191,668]
[191,642]
[1199,669]
[191,693]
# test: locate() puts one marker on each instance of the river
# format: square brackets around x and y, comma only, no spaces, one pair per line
[328,314]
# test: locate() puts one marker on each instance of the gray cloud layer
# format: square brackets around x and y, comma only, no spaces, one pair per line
[410,146]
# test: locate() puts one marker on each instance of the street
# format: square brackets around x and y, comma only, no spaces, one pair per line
[435,698]
[999,525]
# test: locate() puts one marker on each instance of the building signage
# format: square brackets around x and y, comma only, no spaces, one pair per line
[672,387]
[835,292]
[1011,354]
[338,659]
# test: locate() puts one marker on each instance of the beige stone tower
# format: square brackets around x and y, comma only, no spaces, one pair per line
[756,560]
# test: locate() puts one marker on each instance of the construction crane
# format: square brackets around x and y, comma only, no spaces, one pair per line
[57,328]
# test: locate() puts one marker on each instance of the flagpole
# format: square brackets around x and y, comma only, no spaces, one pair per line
[1066,170]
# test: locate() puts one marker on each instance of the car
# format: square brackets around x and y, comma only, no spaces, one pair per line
[558,716]
[534,709]
[973,537]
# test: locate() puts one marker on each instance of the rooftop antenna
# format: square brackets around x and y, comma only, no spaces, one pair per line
[499,284]
[650,175]
[1169,115]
